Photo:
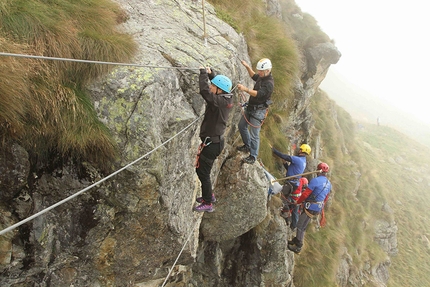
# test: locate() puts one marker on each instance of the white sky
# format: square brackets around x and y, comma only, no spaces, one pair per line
[385,47]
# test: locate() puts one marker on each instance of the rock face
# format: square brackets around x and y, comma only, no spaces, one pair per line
[129,230]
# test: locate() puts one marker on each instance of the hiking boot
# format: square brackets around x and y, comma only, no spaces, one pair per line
[249,160]
[204,207]
[294,241]
[243,148]
[296,249]
[200,199]
[285,214]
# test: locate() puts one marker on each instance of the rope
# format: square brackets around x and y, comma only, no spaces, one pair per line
[90,61]
[4,54]
[294,176]
[94,184]
[235,55]
[177,258]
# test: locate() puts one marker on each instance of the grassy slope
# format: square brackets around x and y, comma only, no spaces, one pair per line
[394,170]
[42,103]
[38,94]
[351,216]
[405,185]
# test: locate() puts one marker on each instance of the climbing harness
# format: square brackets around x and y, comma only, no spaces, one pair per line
[311,215]
[308,203]
[245,105]
[204,144]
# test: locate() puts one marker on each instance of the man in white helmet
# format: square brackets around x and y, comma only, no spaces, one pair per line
[256,110]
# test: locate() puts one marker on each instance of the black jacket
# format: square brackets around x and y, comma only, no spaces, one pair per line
[218,108]
[264,87]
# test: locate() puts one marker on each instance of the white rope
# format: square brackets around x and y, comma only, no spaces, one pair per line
[90,61]
[94,184]
[177,258]
[130,164]
[101,62]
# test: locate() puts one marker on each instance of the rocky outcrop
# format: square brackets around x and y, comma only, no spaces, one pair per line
[132,228]
[386,232]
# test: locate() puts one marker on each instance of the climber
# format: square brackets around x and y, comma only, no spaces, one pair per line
[294,164]
[219,105]
[256,110]
[313,200]
[291,209]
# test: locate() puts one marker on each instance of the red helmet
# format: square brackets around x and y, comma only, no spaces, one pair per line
[323,167]
[304,181]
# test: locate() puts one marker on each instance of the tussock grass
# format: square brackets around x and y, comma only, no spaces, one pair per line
[13,93]
[266,38]
[47,97]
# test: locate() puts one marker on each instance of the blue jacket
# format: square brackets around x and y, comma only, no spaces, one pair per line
[320,187]
[297,165]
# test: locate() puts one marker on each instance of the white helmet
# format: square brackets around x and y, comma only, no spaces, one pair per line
[264,64]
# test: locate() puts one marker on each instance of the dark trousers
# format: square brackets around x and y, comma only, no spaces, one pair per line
[294,215]
[206,161]
[302,224]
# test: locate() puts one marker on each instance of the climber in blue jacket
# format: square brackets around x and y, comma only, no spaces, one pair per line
[294,164]
[313,200]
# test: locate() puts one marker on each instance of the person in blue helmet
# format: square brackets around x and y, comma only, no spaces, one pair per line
[219,103]
[294,164]
[313,200]
[256,110]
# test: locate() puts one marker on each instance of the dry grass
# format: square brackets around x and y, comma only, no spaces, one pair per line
[46,97]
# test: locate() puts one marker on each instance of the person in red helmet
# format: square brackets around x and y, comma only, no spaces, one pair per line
[313,200]
[290,210]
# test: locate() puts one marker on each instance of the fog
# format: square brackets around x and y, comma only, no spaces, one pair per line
[385,57]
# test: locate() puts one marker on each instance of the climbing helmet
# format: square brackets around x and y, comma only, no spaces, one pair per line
[222,82]
[264,64]
[323,167]
[305,148]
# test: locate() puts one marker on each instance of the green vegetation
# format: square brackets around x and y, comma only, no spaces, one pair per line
[390,168]
[43,105]
[268,37]
[401,166]
[366,172]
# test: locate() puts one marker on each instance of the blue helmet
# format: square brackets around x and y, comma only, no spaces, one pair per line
[222,82]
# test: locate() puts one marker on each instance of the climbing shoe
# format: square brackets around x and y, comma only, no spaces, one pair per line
[294,241]
[204,207]
[243,148]
[250,159]
[200,199]
[296,249]
[285,214]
